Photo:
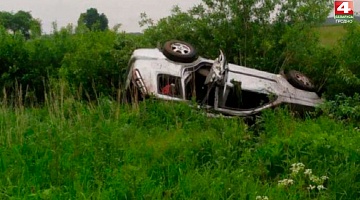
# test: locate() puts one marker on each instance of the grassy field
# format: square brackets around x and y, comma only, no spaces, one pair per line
[330,35]
[157,150]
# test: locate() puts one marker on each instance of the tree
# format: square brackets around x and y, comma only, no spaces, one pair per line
[20,22]
[255,33]
[5,18]
[93,20]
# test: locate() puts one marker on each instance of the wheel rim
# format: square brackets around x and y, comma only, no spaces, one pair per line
[303,79]
[180,48]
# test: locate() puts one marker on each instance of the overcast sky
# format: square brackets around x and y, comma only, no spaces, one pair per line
[126,12]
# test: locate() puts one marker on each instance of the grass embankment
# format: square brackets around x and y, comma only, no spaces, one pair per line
[71,150]
[331,34]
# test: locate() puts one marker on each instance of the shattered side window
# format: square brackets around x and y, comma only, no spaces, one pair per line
[169,85]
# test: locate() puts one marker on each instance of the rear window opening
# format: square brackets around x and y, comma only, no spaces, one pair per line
[169,85]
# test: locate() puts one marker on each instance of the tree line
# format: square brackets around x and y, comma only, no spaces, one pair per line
[26,24]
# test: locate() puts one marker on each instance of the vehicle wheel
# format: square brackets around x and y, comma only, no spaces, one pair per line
[300,81]
[179,51]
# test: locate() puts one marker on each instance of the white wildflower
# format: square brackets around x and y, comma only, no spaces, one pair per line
[301,165]
[296,167]
[285,182]
[321,187]
[315,179]
[324,178]
[311,187]
[262,198]
[308,172]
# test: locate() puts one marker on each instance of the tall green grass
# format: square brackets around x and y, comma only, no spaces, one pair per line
[69,149]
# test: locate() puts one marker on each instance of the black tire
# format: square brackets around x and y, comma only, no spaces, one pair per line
[300,81]
[179,51]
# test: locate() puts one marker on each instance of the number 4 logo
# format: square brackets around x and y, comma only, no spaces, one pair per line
[344,8]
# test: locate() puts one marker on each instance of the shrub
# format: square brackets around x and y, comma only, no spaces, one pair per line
[343,107]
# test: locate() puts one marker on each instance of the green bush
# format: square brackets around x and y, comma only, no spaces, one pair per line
[13,57]
[27,65]
[348,75]
[93,63]
[343,107]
